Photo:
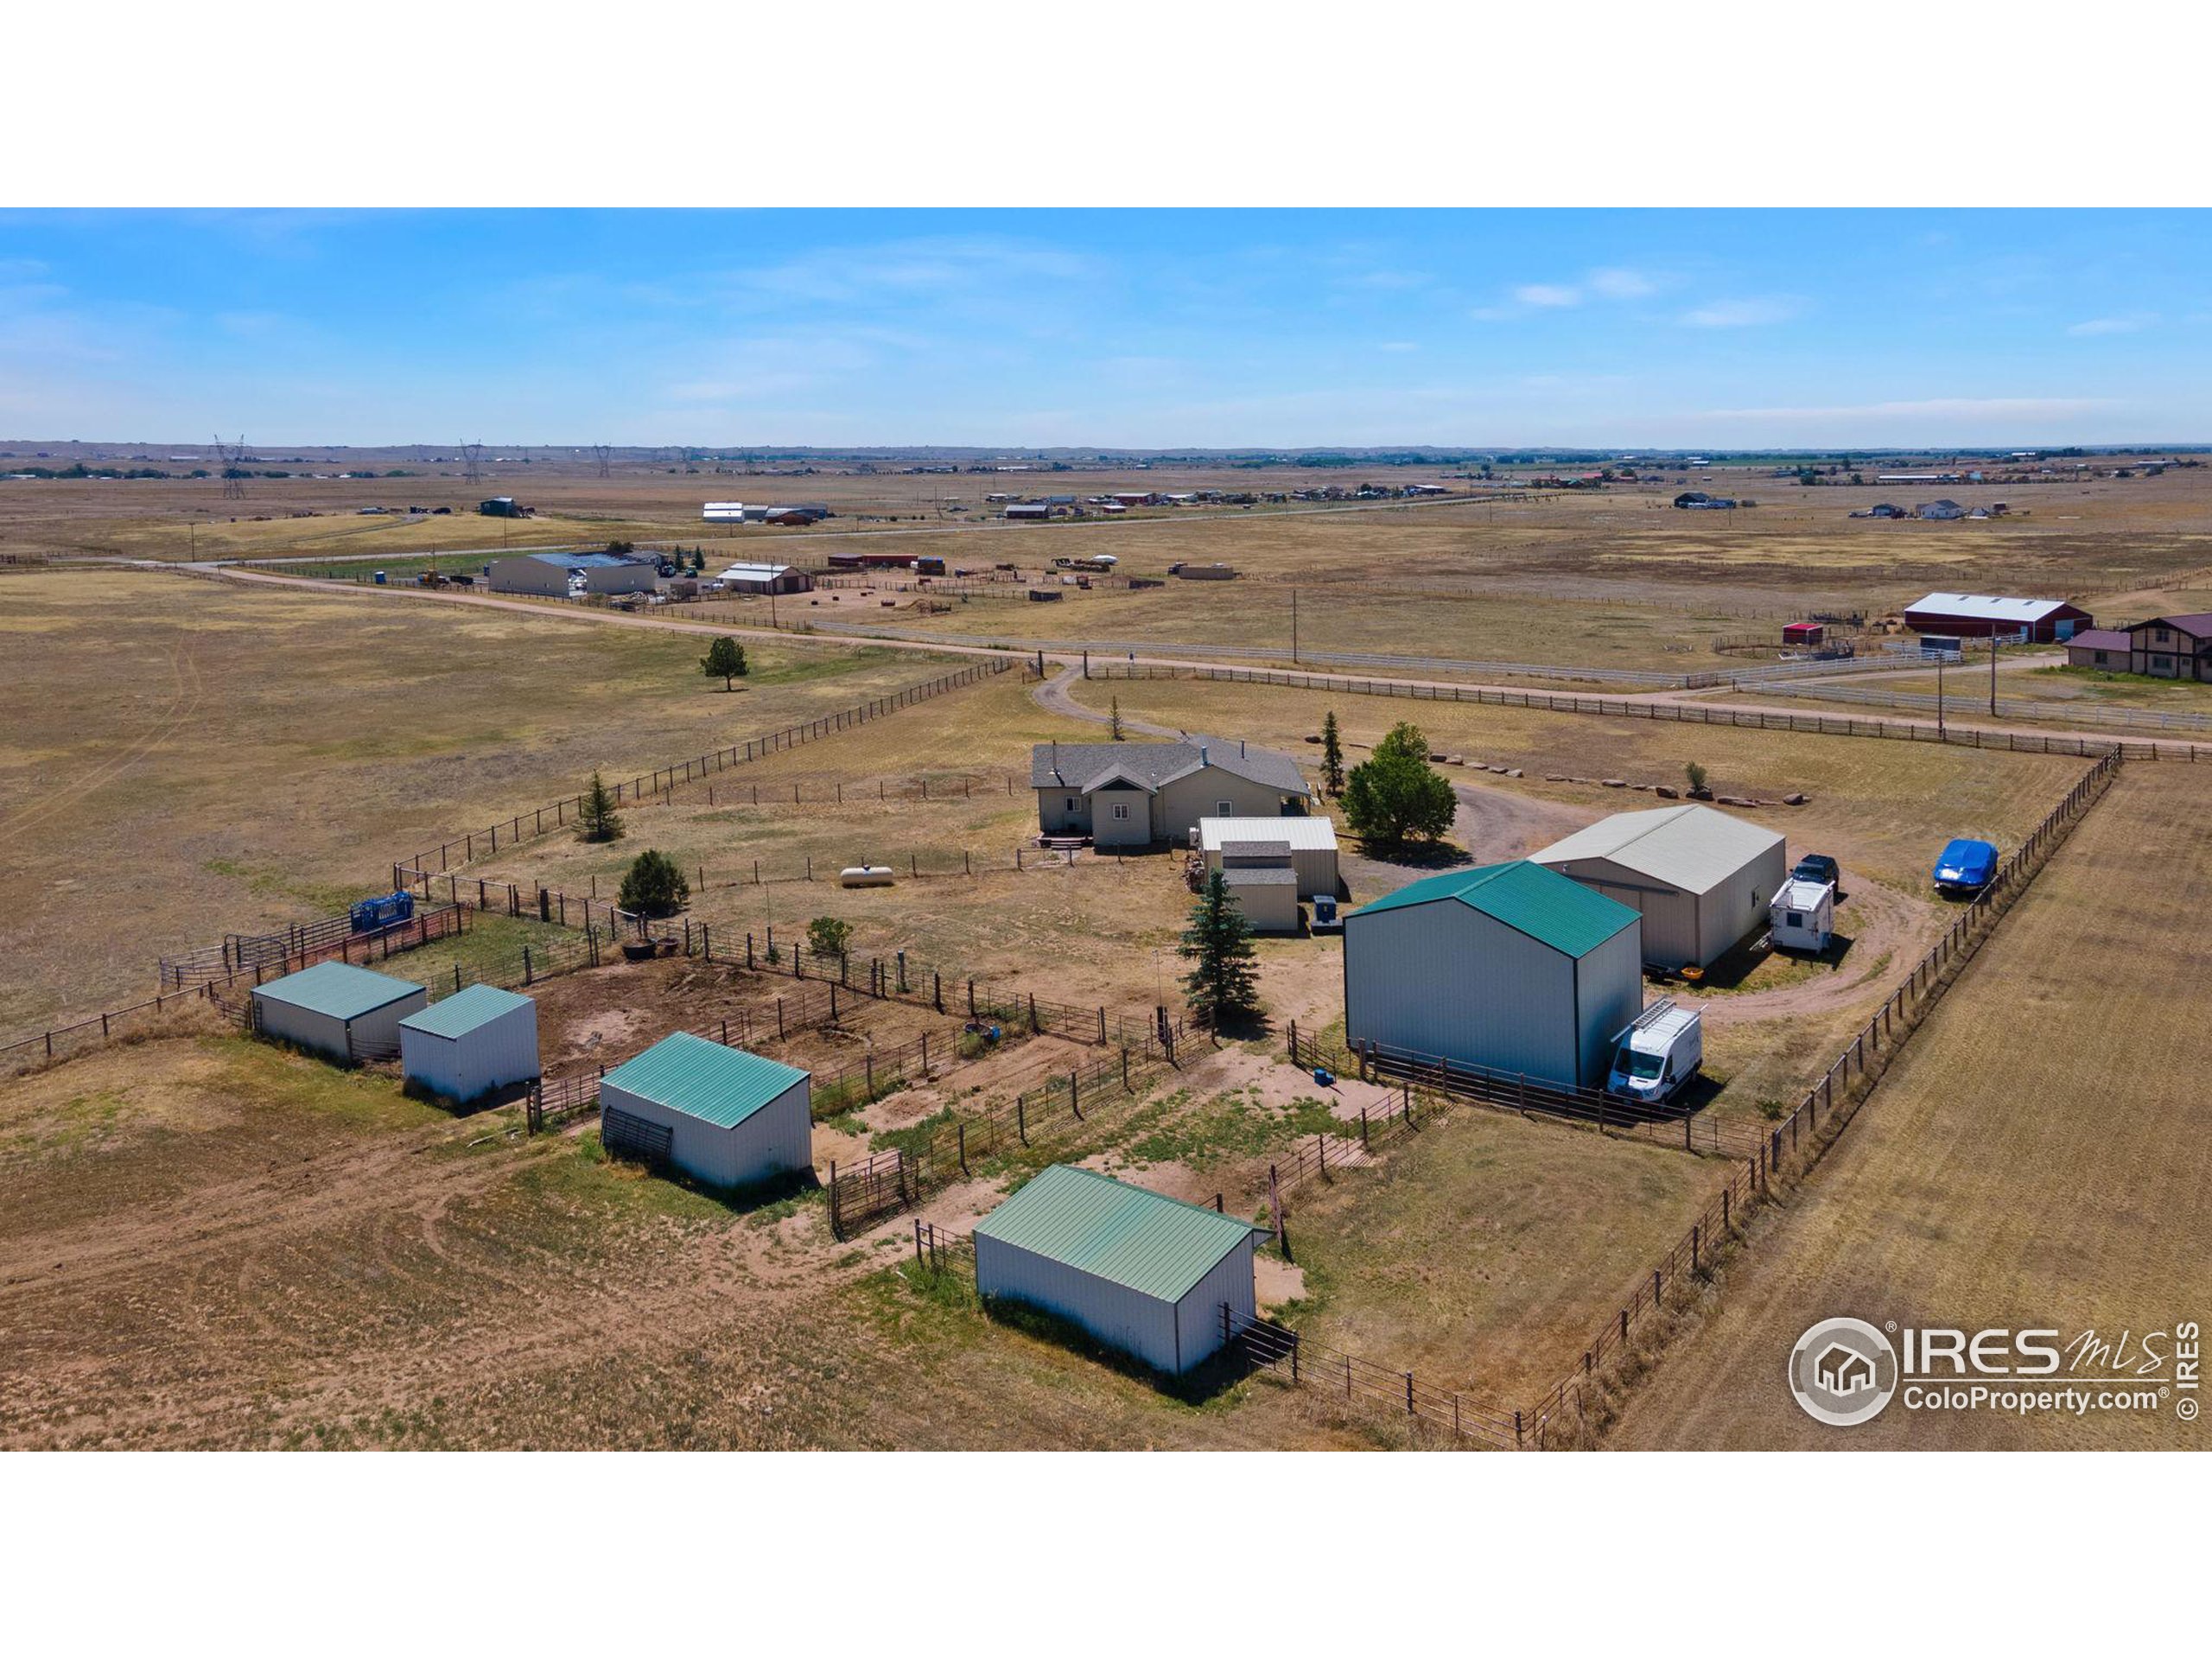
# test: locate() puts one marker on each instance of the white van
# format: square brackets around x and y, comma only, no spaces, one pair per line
[1802,917]
[1656,1055]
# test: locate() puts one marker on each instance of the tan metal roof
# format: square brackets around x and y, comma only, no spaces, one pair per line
[1690,847]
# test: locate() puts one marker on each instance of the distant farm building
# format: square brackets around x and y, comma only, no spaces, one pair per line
[502,506]
[1700,879]
[1310,843]
[1027,510]
[1512,966]
[764,579]
[475,1041]
[1134,794]
[722,1116]
[851,559]
[1803,633]
[1140,1273]
[547,573]
[1976,616]
[732,512]
[335,1009]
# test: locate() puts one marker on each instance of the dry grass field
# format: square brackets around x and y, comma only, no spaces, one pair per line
[2036,1158]
[200,758]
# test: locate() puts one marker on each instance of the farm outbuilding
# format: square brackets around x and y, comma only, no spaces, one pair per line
[336,1009]
[1512,967]
[1266,892]
[762,578]
[1312,842]
[475,1041]
[722,1116]
[1700,879]
[549,573]
[1976,616]
[1139,1272]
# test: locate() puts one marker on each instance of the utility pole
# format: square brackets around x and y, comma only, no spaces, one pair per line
[1939,656]
[1993,668]
[1293,624]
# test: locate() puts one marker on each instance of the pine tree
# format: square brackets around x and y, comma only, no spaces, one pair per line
[597,819]
[1223,984]
[724,657]
[1114,718]
[1332,755]
[653,885]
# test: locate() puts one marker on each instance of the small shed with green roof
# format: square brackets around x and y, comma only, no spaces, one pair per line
[1512,967]
[722,1116]
[475,1041]
[337,1009]
[1140,1272]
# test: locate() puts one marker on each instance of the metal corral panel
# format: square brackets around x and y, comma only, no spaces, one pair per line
[1312,845]
[735,1118]
[338,1010]
[476,1041]
[1528,990]
[1137,1271]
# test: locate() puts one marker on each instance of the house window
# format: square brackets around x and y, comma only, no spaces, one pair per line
[1121,810]
[1072,803]
[2101,659]
[1225,809]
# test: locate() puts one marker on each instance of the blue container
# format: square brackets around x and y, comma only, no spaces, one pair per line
[1325,1078]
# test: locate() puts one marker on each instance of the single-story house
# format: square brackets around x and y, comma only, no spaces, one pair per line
[762,578]
[547,573]
[336,1009]
[1311,842]
[1945,508]
[2107,648]
[1136,794]
[1140,1273]
[722,1116]
[1976,616]
[1700,879]
[476,1041]
[1512,966]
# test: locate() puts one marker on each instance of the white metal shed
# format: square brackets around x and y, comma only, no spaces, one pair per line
[722,1116]
[1312,845]
[337,1009]
[1510,967]
[1700,879]
[1140,1272]
[475,1041]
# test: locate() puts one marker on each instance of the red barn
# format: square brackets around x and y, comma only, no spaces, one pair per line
[1803,633]
[1976,616]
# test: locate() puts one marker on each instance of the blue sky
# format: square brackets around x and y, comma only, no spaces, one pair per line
[1152,329]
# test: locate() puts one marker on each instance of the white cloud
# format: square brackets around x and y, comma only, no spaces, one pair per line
[1618,283]
[2132,322]
[1743,313]
[1548,294]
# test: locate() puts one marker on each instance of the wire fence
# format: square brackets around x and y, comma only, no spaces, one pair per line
[2080,712]
[556,815]
[1694,714]
[306,942]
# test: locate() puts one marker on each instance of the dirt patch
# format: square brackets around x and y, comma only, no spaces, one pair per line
[1275,1282]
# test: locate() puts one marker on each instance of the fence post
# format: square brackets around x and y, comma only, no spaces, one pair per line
[1022,1119]
[526,965]
[961,1127]
[1075,1093]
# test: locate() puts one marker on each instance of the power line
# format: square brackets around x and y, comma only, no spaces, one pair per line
[472,455]
[232,468]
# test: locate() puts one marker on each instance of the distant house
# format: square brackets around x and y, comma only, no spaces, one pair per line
[1976,616]
[1136,794]
[1881,510]
[747,578]
[547,573]
[1944,508]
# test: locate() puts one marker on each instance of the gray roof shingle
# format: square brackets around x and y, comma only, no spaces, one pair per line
[1075,766]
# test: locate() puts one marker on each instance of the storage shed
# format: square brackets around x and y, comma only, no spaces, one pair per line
[334,1008]
[764,578]
[476,1041]
[1700,879]
[549,574]
[1266,891]
[1312,840]
[720,1115]
[1140,1273]
[1512,967]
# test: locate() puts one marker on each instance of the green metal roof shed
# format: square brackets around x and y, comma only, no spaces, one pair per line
[475,1041]
[1137,1270]
[336,1009]
[720,1115]
[1527,897]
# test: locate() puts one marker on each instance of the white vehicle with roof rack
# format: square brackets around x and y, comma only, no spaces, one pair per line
[1659,1053]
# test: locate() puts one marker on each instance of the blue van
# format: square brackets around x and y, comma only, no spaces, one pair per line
[1965,867]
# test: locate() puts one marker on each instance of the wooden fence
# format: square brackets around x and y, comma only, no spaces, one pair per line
[525,826]
[1694,714]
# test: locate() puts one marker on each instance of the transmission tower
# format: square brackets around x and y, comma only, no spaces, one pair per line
[599,452]
[232,467]
[472,454]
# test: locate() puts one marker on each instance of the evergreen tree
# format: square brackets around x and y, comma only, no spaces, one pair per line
[726,657]
[1397,796]
[1223,984]
[596,818]
[1114,718]
[653,885]
[1332,755]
